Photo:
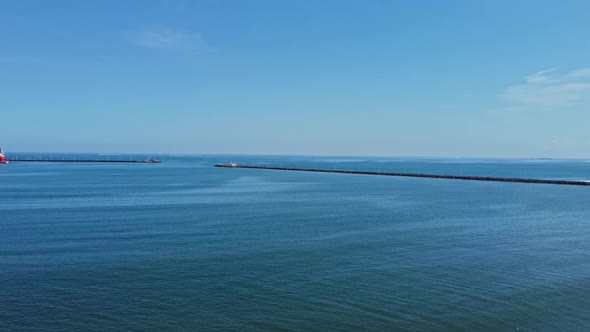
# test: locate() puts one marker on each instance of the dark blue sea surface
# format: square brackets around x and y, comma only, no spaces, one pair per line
[182,245]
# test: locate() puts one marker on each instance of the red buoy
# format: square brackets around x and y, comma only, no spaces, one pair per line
[3,159]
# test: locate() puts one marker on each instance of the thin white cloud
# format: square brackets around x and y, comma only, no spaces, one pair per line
[164,38]
[583,73]
[550,89]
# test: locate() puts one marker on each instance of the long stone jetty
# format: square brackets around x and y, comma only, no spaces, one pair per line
[414,175]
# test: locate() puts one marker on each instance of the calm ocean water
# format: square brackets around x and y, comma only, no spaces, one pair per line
[185,246]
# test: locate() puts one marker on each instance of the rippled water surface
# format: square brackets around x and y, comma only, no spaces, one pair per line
[185,246]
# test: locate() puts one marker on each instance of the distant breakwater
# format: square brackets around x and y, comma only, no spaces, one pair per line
[58,160]
[415,175]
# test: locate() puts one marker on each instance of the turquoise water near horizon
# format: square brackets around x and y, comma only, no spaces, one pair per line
[185,246]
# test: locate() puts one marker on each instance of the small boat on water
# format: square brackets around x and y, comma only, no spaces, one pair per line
[3,159]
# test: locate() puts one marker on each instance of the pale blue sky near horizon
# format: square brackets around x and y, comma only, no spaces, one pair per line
[388,78]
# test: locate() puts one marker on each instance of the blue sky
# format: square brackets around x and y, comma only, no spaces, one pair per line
[417,78]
